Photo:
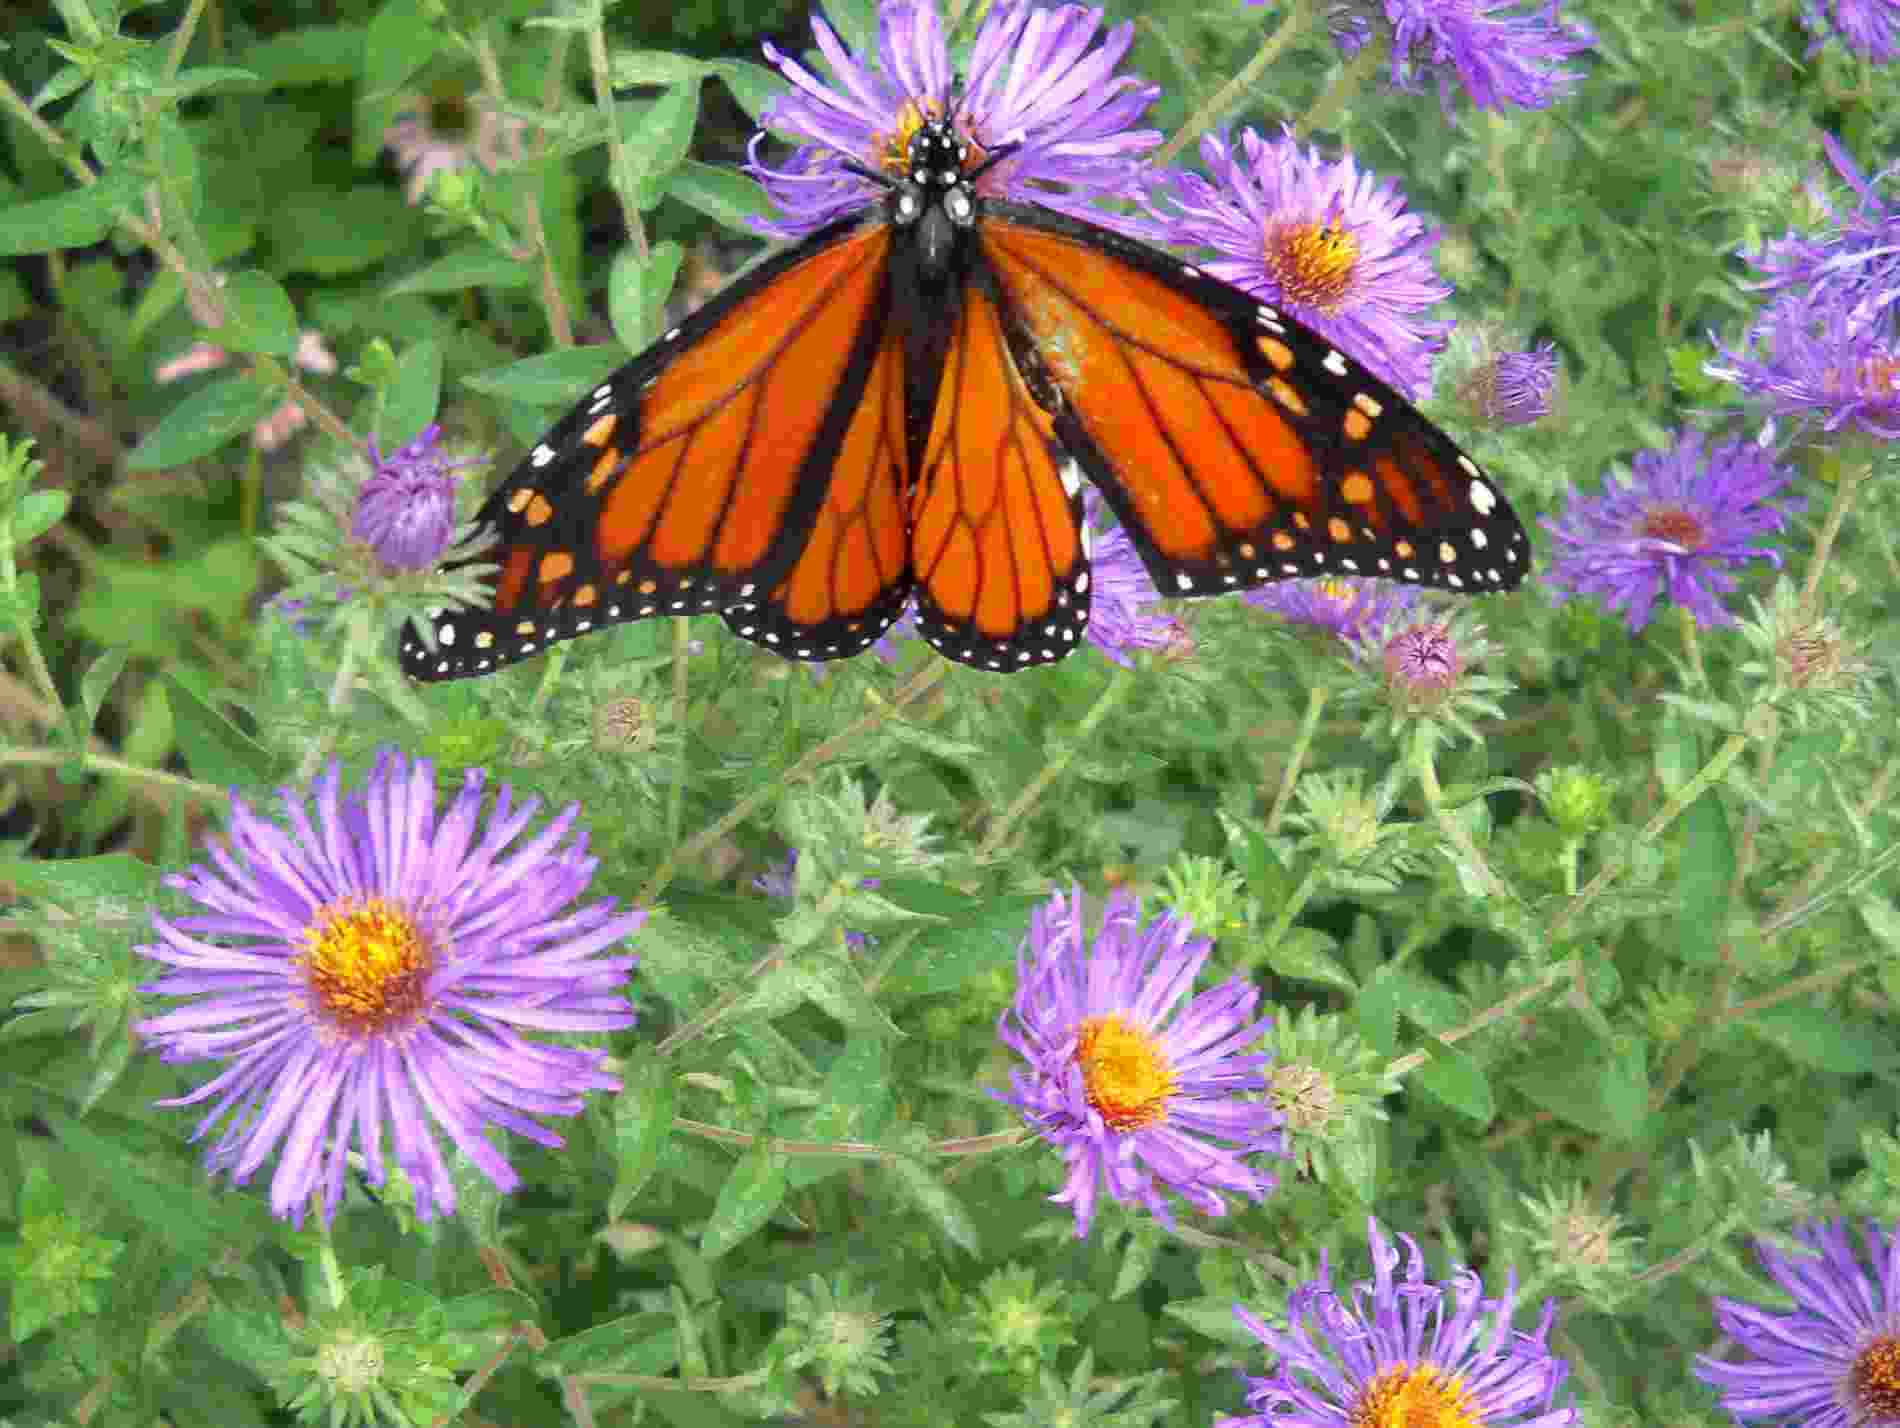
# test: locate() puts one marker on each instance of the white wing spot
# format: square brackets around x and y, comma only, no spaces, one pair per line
[1479,540]
[541,455]
[1185,582]
[1447,553]
[1335,363]
[445,635]
[1483,499]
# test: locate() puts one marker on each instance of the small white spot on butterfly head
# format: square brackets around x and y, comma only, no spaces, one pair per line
[1335,363]
[541,455]
[1483,499]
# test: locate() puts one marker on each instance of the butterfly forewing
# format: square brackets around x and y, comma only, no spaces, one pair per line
[692,479]
[1237,446]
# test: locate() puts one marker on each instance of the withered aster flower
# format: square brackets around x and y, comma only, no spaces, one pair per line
[1139,1088]
[1686,518]
[1321,237]
[1499,51]
[1835,1361]
[450,130]
[1396,1352]
[1352,609]
[1512,388]
[1867,27]
[373,968]
[406,509]
[1036,79]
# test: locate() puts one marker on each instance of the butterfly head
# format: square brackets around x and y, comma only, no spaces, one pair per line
[934,198]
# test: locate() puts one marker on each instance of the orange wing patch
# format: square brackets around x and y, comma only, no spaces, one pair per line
[997,541]
[853,579]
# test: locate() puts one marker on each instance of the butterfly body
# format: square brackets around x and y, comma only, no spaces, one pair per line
[903,407]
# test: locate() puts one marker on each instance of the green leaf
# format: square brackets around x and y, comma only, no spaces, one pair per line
[638,1343]
[206,78]
[746,1201]
[753,85]
[626,68]
[480,267]
[1625,1088]
[1213,1316]
[98,680]
[852,1105]
[258,316]
[930,1195]
[1454,1078]
[643,1123]
[1825,1040]
[656,133]
[637,292]
[72,220]
[310,54]
[411,401]
[726,196]
[400,40]
[110,875]
[1306,954]
[215,749]
[329,233]
[39,512]
[226,407]
[553,378]
[1703,879]
[982,936]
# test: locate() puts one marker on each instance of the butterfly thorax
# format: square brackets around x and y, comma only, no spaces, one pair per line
[935,201]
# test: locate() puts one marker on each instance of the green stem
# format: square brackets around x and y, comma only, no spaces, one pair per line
[1710,774]
[1454,831]
[624,181]
[1119,683]
[551,669]
[1223,99]
[1302,742]
[1346,81]
[106,764]
[1852,470]
[676,795]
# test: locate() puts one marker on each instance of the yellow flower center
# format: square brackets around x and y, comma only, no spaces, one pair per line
[368,964]
[1875,1380]
[1312,263]
[1339,592]
[912,117]
[1126,1072]
[1415,1396]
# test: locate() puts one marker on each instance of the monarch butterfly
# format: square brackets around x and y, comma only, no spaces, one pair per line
[903,404]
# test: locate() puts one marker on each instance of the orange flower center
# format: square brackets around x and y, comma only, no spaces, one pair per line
[1312,263]
[368,964]
[1126,1072]
[912,117]
[1875,1380]
[1415,1396]
[1677,527]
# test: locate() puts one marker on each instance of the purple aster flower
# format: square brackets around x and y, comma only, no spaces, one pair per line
[1818,359]
[1867,27]
[406,509]
[1393,1351]
[1512,388]
[1501,53]
[1835,1361]
[1856,262]
[1353,610]
[1322,238]
[375,966]
[1424,660]
[1124,612]
[1036,80]
[1129,1084]
[1686,518]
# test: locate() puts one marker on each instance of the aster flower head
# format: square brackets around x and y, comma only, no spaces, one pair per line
[1870,28]
[1684,520]
[1511,388]
[372,967]
[1351,609]
[1834,1362]
[1499,51]
[1323,238]
[1855,259]
[1817,358]
[1036,79]
[1404,1349]
[405,511]
[448,131]
[1138,1086]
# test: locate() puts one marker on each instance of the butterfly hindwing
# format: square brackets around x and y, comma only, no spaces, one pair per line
[1236,446]
[998,542]
[691,479]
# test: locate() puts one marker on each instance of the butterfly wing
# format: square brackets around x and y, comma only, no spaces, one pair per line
[694,477]
[1236,446]
[998,544]
[852,579]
